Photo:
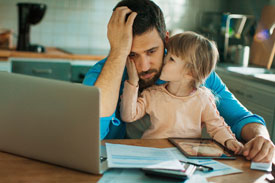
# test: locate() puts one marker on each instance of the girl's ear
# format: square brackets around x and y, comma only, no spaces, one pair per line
[188,74]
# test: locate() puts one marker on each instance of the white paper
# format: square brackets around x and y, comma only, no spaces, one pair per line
[127,156]
[261,166]
[219,168]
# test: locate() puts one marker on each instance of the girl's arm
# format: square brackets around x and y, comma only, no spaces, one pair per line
[215,124]
[132,107]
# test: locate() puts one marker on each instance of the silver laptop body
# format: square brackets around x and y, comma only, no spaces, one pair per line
[51,121]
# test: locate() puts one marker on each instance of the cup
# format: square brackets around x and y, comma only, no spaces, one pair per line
[241,57]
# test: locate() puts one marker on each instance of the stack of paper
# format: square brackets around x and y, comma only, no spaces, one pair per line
[126,156]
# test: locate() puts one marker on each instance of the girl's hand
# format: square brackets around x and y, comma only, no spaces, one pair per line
[132,72]
[234,146]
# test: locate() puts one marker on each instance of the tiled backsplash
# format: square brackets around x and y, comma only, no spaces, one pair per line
[66,23]
[83,23]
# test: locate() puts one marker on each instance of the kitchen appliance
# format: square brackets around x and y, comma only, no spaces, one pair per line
[263,46]
[29,14]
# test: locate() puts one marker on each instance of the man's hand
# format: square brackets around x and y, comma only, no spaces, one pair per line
[120,37]
[132,72]
[259,149]
[120,32]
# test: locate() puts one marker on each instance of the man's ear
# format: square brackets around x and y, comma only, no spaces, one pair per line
[166,37]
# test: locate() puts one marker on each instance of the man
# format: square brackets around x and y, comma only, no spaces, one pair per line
[137,30]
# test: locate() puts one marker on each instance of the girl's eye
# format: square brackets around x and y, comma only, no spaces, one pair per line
[171,59]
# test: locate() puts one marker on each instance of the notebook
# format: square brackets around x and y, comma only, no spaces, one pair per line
[51,121]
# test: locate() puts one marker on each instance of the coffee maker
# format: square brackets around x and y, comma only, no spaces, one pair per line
[29,14]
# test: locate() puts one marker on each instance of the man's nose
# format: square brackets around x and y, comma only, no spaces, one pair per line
[144,64]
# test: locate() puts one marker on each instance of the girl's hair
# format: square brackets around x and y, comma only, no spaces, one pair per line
[199,53]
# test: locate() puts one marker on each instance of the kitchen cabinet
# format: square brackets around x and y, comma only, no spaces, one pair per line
[51,69]
[79,70]
[256,96]
[54,64]
[66,70]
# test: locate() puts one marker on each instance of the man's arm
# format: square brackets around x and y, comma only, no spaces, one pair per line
[109,123]
[247,126]
[120,38]
[259,147]
[233,112]
[251,130]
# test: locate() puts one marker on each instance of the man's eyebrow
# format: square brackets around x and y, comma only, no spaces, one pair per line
[151,49]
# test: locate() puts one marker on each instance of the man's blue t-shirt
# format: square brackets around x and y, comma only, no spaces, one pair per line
[234,114]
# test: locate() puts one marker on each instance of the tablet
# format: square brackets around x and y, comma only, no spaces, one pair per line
[202,148]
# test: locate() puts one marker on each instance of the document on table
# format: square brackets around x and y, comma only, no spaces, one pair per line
[128,156]
[219,168]
[132,175]
[125,155]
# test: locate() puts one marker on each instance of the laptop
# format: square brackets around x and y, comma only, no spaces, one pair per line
[51,121]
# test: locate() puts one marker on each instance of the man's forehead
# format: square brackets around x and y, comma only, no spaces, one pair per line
[146,41]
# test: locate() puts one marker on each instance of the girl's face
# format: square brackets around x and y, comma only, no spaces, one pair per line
[173,69]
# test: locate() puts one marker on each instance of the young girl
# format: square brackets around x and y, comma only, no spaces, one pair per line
[181,106]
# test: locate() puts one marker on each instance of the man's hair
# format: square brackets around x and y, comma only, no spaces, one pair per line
[149,16]
[199,53]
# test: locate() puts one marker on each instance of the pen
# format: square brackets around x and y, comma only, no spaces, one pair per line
[199,166]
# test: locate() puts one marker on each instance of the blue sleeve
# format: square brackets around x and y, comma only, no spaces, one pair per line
[233,112]
[105,122]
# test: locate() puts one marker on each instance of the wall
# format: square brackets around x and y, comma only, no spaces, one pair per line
[250,7]
[186,14]
[83,23]
[67,23]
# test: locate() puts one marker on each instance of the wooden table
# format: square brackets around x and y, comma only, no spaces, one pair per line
[18,169]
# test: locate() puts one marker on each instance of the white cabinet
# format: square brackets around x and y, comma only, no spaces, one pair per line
[256,96]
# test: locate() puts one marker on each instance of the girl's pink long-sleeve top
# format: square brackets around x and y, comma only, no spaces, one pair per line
[173,116]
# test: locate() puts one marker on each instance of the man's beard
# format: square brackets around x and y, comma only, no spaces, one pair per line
[143,84]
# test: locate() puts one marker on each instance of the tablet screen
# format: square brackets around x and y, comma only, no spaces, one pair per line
[201,148]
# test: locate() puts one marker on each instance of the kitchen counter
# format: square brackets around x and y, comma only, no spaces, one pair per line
[255,74]
[51,53]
